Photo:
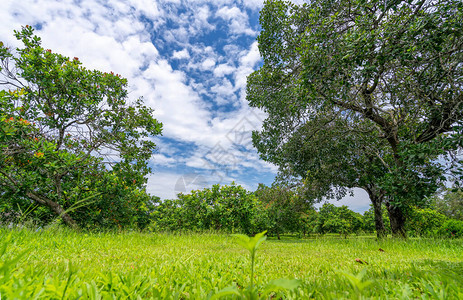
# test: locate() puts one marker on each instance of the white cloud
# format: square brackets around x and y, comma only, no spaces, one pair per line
[224,88]
[147,7]
[252,57]
[208,64]
[163,184]
[238,20]
[254,4]
[183,54]
[223,69]
[162,160]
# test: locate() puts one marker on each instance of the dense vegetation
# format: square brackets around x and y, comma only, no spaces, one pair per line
[71,144]
[231,209]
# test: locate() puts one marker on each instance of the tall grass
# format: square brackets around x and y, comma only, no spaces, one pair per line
[63,264]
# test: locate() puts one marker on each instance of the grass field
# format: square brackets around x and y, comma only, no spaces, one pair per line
[62,264]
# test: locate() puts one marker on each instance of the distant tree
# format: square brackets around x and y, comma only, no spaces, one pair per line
[424,221]
[388,72]
[69,138]
[286,211]
[449,203]
[342,220]
[228,208]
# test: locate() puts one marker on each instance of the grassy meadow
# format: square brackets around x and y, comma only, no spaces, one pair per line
[63,264]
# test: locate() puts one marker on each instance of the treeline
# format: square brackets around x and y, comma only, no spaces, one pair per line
[234,209]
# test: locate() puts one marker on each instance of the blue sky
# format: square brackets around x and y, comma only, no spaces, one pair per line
[188,59]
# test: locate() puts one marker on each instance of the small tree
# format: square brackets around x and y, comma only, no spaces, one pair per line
[424,221]
[285,209]
[449,203]
[342,220]
[228,208]
[68,135]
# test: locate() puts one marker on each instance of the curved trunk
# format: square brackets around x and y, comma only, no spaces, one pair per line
[56,208]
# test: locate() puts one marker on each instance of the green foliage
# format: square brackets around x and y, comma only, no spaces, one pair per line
[251,244]
[334,219]
[450,203]
[228,208]
[58,122]
[355,96]
[451,228]
[424,221]
[286,211]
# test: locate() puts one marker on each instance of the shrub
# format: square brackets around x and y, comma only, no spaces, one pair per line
[228,208]
[424,221]
[451,228]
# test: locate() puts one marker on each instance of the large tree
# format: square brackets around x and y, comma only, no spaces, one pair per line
[69,135]
[389,72]
[327,160]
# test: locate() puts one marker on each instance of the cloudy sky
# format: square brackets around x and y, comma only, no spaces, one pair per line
[188,59]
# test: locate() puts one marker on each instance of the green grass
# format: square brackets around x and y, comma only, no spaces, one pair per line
[62,264]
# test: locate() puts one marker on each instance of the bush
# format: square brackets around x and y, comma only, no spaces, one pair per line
[424,222]
[286,210]
[223,208]
[342,220]
[451,228]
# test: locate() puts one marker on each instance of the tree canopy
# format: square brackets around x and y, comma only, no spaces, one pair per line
[69,137]
[359,81]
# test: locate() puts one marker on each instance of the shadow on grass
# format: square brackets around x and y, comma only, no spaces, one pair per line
[302,239]
[441,267]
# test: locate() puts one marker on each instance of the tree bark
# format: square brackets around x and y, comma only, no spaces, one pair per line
[56,208]
[397,219]
[377,200]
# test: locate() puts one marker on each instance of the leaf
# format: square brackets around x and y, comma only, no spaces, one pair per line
[356,281]
[251,243]
[228,291]
[281,284]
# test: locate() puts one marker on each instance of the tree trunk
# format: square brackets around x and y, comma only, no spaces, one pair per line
[379,223]
[377,200]
[397,219]
[56,208]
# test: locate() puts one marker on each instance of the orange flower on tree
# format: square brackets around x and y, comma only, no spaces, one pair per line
[25,122]
[39,154]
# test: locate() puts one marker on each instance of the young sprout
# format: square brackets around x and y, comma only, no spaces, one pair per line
[251,243]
